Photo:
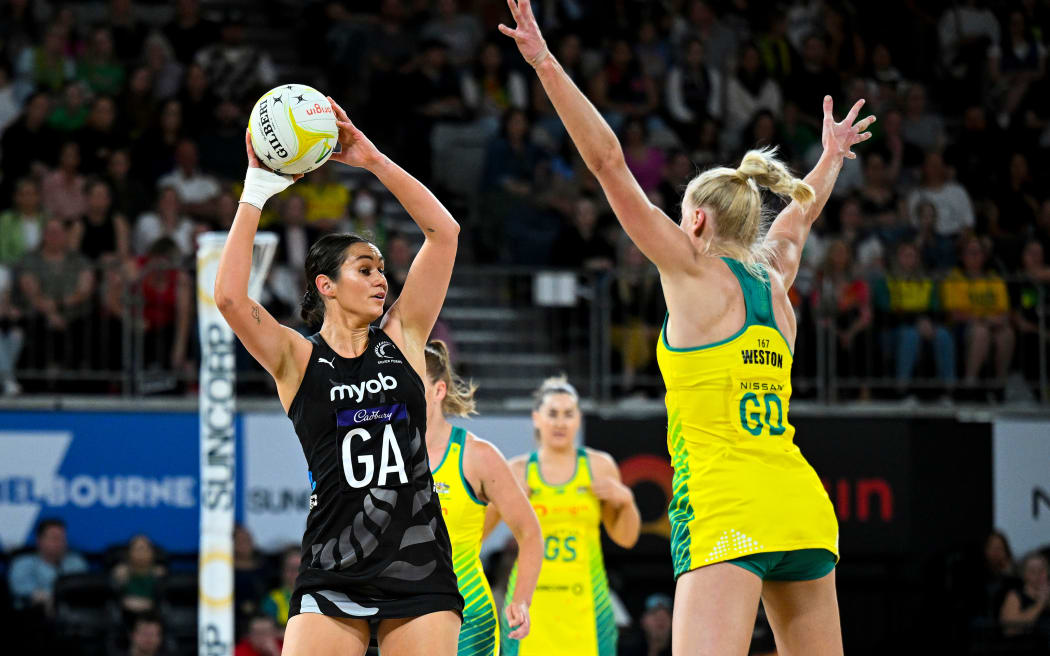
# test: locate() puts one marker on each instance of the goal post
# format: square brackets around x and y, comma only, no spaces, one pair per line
[215,628]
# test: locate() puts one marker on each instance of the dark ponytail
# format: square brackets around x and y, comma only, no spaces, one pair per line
[326,257]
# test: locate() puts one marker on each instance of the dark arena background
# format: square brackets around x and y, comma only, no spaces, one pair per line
[921,392]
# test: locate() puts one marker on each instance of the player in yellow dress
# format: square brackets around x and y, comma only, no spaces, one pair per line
[574,491]
[749,517]
[470,475]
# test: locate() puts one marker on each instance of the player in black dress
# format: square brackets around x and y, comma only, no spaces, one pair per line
[376,551]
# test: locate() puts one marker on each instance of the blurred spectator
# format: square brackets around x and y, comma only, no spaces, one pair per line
[11,335]
[71,114]
[954,210]
[28,145]
[508,184]
[977,150]
[843,299]
[798,136]
[63,188]
[637,305]
[921,128]
[165,71]
[812,78]
[581,244]
[999,574]
[883,72]
[1027,609]
[492,87]
[166,220]
[910,301]
[1018,65]
[777,52]
[32,575]
[166,295]
[287,278]
[126,30]
[188,33]
[364,219]
[196,189]
[21,226]
[1013,210]
[653,50]
[10,103]
[977,301]
[966,31]
[137,107]
[878,196]
[701,23]
[645,162]
[47,66]
[622,89]
[327,199]
[938,251]
[249,575]
[130,197]
[460,31]
[432,93]
[749,90]
[56,284]
[146,637]
[678,171]
[101,135]
[137,576]
[197,100]
[102,235]
[222,142]
[655,623]
[262,638]
[99,67]
[236,70]
[155,152]
[1030,298]
[694,90]
[276,603]
[398,259]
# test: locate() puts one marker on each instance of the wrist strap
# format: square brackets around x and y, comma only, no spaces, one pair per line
[260,185]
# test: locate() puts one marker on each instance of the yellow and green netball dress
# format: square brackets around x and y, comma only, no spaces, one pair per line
[465,518]
[742,490]
[571,613]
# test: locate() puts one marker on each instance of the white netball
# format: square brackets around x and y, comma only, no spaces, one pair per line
[293,129]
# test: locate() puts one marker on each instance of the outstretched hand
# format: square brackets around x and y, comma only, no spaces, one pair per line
[253,159]
[356,149]
[527,34]
[839,138]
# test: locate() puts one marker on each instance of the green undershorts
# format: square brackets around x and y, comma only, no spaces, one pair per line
[800,565]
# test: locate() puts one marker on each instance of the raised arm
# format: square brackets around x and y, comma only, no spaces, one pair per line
[273,345]
[499,486]
[655,234]
[411,318]
[790,229]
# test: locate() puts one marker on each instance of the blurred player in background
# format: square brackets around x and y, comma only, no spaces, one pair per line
[375,552]
[574,491]
[750,518]
[470,475]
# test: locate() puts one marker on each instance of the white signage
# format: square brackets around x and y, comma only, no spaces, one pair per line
[1021,482]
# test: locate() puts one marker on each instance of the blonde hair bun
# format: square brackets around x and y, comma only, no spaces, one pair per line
[768,171]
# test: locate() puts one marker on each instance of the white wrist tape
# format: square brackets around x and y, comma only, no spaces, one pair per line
[260,184]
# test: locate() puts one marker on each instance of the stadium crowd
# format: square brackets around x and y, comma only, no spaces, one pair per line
[122,135]
[139,600]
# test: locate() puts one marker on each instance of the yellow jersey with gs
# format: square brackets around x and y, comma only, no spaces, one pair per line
[741,486]
[464,516]
[571,613]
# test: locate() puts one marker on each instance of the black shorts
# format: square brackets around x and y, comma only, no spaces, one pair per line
[344,604]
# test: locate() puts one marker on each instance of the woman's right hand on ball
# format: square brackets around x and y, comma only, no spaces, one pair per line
[355,148]
[253,159]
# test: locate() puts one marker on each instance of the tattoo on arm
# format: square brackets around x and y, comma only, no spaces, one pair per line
[431,230]
[255,314]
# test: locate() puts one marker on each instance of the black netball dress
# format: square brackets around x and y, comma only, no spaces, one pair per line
[376,546]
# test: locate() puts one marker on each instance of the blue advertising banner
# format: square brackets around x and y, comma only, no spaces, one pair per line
[109,475]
